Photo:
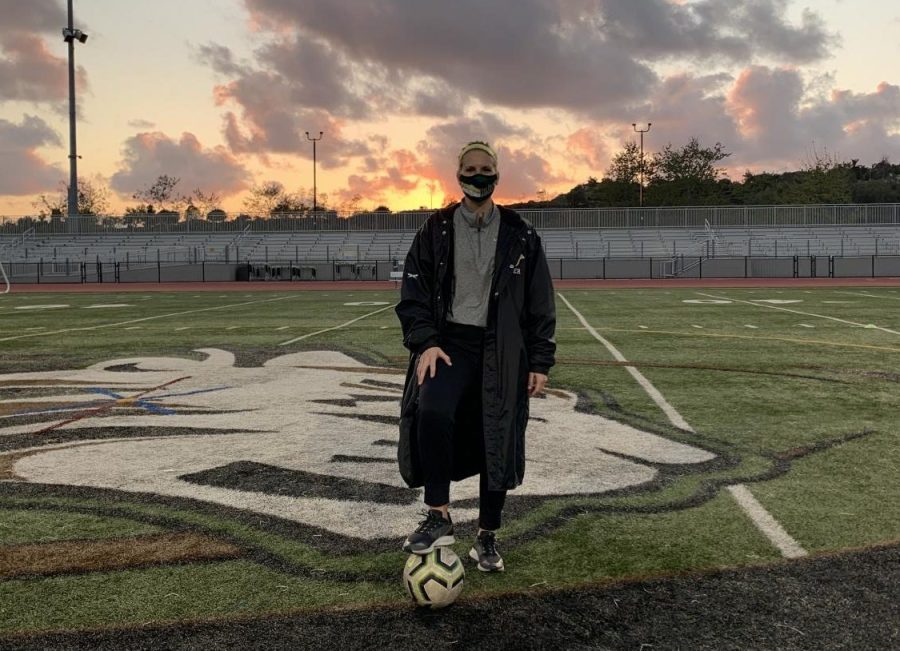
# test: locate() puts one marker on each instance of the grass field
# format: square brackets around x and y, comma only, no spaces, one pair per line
[795,392]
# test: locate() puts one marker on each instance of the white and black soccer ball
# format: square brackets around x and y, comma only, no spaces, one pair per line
[435,579]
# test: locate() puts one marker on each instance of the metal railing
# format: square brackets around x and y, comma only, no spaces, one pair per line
[550,218]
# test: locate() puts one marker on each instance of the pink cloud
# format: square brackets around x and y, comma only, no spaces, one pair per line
[30,72]
[146,156]
[22,170]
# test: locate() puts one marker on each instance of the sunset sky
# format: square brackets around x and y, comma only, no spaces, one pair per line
[220,92]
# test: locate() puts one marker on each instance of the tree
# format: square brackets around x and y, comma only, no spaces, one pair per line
[687,175]
[192,212]
[216,215]
[93,198]
[692,162]
[205,202]
[270,198]
[161,193]
[625,166]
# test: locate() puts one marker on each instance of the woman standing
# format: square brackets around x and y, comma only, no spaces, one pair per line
[479,318]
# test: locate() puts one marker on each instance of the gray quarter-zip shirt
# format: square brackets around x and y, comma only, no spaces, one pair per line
[474,250]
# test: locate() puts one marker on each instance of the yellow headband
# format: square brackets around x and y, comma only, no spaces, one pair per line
[480,146]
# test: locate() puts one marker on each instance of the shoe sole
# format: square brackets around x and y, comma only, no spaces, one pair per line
[443,541]
[496,568]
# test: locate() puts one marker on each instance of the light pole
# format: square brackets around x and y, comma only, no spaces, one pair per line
[642,132]
[70,35]
[314,141]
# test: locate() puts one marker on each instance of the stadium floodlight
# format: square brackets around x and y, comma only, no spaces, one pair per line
[70,35]
[314,141]
[642,132]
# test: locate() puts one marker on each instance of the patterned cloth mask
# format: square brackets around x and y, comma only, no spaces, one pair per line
[478,186]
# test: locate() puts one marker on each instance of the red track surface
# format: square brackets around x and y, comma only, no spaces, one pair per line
[325,285]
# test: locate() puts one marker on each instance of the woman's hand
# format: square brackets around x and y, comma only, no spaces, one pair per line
[536,382]
[428,362]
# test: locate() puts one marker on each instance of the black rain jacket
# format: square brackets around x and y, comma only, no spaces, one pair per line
[519,338]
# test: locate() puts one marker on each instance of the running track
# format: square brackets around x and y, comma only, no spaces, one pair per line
[354,285]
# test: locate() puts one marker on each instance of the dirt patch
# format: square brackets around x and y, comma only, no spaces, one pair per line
[45,559]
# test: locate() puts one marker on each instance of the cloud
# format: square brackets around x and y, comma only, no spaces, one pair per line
[740,30]
[779,126]
[30,72]
[146,156]
[22,170]
[592,56]
[32,16]
[524,165]
[273,121]
[139,123]
[587,146]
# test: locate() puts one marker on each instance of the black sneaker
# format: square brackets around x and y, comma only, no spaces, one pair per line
[485,552]
[433,531]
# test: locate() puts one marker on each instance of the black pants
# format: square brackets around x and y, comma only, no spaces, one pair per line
[439,400]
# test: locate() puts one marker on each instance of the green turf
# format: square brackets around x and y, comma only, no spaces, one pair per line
[171,593]
[748,404]
[40,526]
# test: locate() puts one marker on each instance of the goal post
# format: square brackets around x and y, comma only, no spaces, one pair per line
[5,279]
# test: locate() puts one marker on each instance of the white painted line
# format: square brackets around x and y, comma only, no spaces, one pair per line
[820,316]
[148,318]
[282,328]
[641,327]
[232,327]
[183,328]
[675,418]
[101,305]
[752,327]
[769,527]
[892,298]
[764,521]
[699,327]
[40,307]
[806,325]
[337,327]
[134,328]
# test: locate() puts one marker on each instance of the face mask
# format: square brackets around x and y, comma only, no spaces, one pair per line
[478,186]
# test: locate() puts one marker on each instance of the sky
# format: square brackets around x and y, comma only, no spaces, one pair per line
[220,93]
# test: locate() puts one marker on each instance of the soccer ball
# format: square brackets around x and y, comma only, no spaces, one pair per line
[435,579]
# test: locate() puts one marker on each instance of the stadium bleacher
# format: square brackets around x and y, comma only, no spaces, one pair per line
[594,243]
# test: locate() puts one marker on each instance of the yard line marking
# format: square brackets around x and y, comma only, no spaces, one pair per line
[761,518]
[675,418]
[752,327]
[790,340]
[232,327]
[148,318]
[337,327]
[283,328]
[699,327]
[182,328]
[820,316]
[892,298]
[641,327]
[764,521]
[806,325]
[133,328]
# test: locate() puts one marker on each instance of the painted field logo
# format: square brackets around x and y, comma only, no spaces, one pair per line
[310,437]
